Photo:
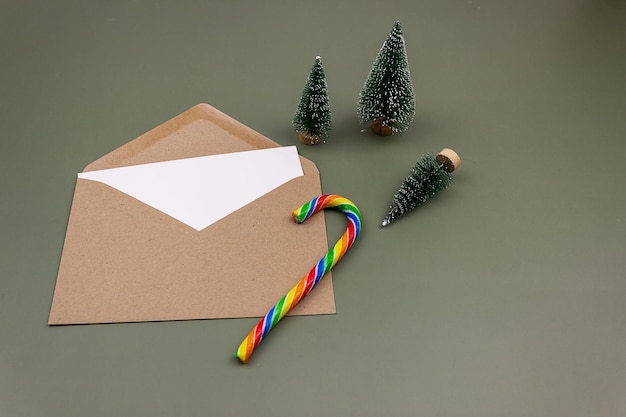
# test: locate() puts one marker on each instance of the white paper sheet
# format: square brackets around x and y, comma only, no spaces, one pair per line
[200,191]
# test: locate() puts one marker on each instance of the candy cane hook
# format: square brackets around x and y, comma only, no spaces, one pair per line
[315,275]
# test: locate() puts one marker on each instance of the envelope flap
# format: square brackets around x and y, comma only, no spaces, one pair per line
[200,131]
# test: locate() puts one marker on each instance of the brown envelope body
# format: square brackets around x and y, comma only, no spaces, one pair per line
[124,261]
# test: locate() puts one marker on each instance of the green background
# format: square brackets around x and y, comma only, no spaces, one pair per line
[505,295]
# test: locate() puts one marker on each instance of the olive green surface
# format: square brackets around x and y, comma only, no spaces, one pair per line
[503,296]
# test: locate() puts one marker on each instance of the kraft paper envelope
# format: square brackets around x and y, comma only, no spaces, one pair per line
[125,261]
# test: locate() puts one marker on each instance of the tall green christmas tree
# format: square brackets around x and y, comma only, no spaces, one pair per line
[387,100]
[312,120]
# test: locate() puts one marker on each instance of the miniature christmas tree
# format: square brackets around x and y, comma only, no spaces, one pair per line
[312,120]
[387,100]
[430,175]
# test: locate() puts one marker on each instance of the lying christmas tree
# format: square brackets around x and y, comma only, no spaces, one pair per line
[430,175]
[312,120]
[387,100]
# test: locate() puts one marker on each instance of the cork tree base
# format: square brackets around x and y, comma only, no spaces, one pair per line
[449,159]
[308,139]
[381,128]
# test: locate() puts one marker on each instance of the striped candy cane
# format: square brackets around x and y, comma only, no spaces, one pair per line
[315,275]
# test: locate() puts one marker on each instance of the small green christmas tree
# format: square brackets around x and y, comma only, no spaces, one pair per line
[312,120]
[387,100]
[430,175]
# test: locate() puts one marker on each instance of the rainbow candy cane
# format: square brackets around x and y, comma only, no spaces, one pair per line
[315,275]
